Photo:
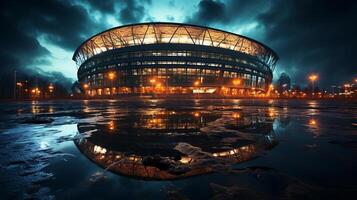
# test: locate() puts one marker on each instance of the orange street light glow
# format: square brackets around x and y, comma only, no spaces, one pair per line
[111,75]
[153,80]
[85,86]
[313,77]
[236,115]
[196,114]
[196,83]
[237,82]
[312,122]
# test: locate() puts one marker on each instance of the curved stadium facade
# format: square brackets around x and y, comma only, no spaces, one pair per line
[173,58]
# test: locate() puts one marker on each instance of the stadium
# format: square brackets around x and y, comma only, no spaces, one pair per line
[173,58]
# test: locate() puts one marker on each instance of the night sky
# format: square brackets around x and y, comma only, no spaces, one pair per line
[38,37]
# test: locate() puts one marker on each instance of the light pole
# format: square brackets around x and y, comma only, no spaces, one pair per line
[313,78]
[50,89]
[85,86]
[19,84]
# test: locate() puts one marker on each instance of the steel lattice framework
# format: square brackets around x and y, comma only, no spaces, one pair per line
[156,33]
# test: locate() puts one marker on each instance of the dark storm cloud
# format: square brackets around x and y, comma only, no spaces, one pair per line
[309,36]
[107,6]
[59,22]
[132,11]
[224,12]
[65,24]
[209,12]
[314,36]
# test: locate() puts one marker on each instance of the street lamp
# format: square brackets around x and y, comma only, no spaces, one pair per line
[86,86]
[313,78]
[36,92]
[50,87]
[19,84]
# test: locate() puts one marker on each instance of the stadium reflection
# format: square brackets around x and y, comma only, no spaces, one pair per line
[170,144]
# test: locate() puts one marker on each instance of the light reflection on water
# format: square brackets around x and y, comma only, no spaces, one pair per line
[170,144]
[237,147]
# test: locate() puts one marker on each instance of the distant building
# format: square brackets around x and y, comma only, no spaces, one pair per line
[284,83]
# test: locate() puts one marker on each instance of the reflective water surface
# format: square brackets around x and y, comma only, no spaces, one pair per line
[178,149]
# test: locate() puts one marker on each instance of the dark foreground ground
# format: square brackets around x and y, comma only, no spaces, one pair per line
[178,149]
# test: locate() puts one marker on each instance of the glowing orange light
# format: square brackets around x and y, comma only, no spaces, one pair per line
[19,84]
[50,87]
[111,125]
[85,86]
[197,114]
[236,115]
[153,80]
[237,81]
[185,159]
[196,83]
[111,75]
[312,122]
[313,77]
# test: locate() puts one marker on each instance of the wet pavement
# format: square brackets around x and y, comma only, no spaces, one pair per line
[178,149]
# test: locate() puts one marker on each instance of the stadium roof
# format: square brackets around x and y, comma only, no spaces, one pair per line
[163,32]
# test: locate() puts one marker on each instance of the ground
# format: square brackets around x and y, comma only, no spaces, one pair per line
[178,149]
